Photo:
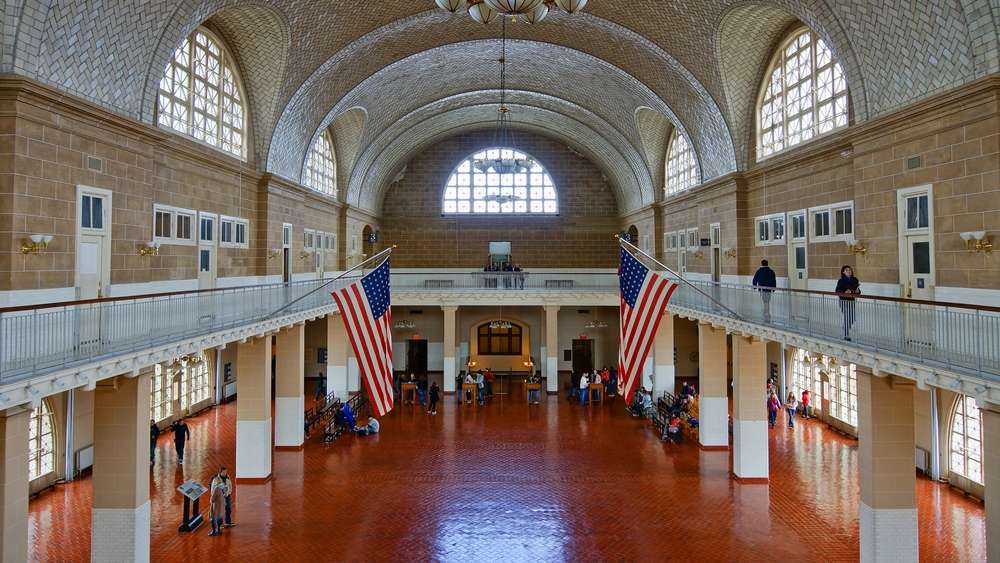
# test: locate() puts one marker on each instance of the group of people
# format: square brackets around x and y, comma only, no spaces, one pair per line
[483,380]
[181,435]
[427,394]
[580,383]
[765,280]
[344,421]
[791,406]
[514,278]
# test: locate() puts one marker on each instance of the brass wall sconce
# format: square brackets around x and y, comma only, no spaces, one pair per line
[305,254]
[698,254]
[150,248]
[731,253]
[855,247]
[35,244]
[977,241]
[273,253]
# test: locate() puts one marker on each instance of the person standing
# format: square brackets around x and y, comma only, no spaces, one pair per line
[181,435]
[790,406]
[222,481]
[154,433]
[806,398]
[320,388]
[215,511]
[765,281]
[481,388]
[435,395]
[490,377]
[773,404]
[847,285]
[584,388]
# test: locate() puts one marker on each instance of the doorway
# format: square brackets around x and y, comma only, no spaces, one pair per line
[93,252]
[716,256]
[915,213]
[416,356]
[286,252]
[208,255]
[583,355]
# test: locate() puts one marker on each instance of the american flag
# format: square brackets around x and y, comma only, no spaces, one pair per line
[644,295]
[365,308]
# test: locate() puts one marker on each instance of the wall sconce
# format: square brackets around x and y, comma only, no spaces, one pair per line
[698,254]
[35,244]
[855,247]
[975,241]
[470,365]
[273,253]
[731,253]
[305,254]
[150,248]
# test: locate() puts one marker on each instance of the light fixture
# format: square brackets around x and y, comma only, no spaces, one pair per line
[471,364]
[533,11]
[151,248]
[35,244]
[596,324]
[450,5]
[500,324]
[977,241]
[273,253]
[855,247]
[479,11]
[404,324]
[731,253]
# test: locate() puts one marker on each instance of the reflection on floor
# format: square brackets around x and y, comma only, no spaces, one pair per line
[511,483]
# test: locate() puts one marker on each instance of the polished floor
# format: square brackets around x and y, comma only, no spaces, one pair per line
[509,482]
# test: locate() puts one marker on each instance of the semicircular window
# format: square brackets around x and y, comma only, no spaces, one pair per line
[500,181]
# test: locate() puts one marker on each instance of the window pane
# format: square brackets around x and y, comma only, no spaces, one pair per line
[499,180]
[922,257]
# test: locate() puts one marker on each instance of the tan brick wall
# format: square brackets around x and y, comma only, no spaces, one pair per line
[580,236]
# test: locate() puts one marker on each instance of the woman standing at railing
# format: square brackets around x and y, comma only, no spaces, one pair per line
[847,285]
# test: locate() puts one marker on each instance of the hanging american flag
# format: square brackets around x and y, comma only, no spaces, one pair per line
[644,296]
[365,308]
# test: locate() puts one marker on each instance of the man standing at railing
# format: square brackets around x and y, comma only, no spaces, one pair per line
[765,281]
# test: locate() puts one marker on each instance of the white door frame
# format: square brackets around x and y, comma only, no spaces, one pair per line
[213,247]
[104,232]
[286,251]
[794,281]
[715,258]
[903,235]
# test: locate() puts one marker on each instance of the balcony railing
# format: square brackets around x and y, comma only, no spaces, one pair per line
[505,281]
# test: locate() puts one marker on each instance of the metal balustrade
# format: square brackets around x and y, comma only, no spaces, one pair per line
[509,281]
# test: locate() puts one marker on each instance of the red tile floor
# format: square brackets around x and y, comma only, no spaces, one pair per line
[509,482]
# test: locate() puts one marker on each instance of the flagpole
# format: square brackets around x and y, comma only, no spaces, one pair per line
[678,276]
[386,251]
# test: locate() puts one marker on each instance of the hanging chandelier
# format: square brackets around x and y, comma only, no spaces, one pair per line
[499,323]
[532,11]
[404,324]
[596,324]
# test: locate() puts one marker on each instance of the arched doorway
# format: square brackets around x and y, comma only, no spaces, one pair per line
[369,237]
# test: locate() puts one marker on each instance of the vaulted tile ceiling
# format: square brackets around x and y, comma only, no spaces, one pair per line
[388,78]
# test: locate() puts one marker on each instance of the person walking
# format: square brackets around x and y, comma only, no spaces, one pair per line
[181,435]
[584,388]
[154,433]
[847,286]
[222,481]
[489,378]
[765,281]
[790,406]
[773,405]
[435,395]
[215,511]
[806,399]
[481,388]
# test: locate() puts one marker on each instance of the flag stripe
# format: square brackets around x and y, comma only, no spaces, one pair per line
[376,349]
[346,305]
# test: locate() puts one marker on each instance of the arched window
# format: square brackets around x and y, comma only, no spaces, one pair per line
[500,180]
[682,166]
[805,95]
[499,341]
[200,94]
[967,439]
[805,375]
[321,169]
[41,442]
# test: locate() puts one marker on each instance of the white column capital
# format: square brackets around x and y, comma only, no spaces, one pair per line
[551,308]
[449,308]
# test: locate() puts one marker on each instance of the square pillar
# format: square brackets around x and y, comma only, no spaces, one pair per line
[551,349]
[750,442]
[336,356]
[253,410]
[713,398]
[289,388]
[449,348]
[663,356]
[888,508]
[991,477]
[14,482]
[121,510]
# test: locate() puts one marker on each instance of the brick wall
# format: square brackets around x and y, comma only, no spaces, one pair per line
[580,236]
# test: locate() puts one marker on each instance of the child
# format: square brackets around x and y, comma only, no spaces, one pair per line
[790,406]
[218,508]
[674,429]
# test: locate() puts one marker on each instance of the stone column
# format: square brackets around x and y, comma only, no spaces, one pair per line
[663,355]
[713,399]
[888,509]
[991,477]
[14,482]
[449,348]
[552,348]
[289,388]
[750,444]
[253,410]
[121,515]
[336,356]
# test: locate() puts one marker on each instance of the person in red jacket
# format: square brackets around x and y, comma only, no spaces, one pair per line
[806,404]
[489,377]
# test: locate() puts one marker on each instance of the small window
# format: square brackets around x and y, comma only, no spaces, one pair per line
[241,233]
[205,260]
[967,439]
[843,221]
[162,221]
[227,231]
[307,239]
[184,221]
[716,235]
[233,232]
[286,234]
[777,229]
[916,212]
[821,224]
[693,238]
[92,212]
[832,222]
[770,229]
[496,341]
[206,228]
[798,226]
[172,225]
[763,231]
[682,165]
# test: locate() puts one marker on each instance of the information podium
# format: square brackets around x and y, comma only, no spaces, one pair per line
[191,490]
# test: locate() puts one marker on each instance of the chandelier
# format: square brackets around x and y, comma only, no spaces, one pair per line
[596,324]
[533,11]
[501,324]
[404,324]
[502,199]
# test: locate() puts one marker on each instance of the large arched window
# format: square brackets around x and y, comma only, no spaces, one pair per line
[500,180]
[843,392]
[967,440]
[161,396]
[41,442]
[805,375]
[682,166]
[499,340]
[200,94]
[805,95]
[321,169]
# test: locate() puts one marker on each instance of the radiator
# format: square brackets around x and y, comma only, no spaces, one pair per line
[84,458]
[922,460]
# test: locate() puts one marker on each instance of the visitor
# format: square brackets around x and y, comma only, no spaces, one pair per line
[635,409]
[181,435]
[574,385]
[847,285]
[647,400]
[469,380]
[435,395]
[519,276]
[480,387]
[370,428]
[320,388]
[215,511]
[222,480]
[534,395]
[765,281]
[686,390]
[422,390]
[584,388]
[340,421]
[489,377]
[613,383]
[806,403]
[790,406]
[773,405]
[154,433]
[674,429]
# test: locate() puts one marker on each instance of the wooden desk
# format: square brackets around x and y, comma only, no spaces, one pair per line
[411,389]
[472,389]
[529,387]
[599,387]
